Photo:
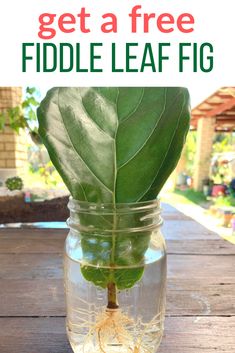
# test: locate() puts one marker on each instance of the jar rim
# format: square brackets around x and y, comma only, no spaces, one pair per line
[147,214]
[76,205]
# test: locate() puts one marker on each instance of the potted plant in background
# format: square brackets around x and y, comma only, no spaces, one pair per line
[114,148]
[207,185]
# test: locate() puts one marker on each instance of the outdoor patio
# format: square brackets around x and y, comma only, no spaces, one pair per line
[200,313]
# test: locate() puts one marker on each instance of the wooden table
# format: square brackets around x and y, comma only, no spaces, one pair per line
[200,302]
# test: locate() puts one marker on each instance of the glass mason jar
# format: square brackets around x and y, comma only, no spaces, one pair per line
[115,277]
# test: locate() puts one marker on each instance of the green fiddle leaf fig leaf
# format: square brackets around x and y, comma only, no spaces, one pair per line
[127,278]
[99,276]
[127,257]
[114,145]
[123,278]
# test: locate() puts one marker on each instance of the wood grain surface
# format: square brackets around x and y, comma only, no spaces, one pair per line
[200,314]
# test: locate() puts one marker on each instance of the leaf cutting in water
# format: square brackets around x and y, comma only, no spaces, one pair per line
[115,145]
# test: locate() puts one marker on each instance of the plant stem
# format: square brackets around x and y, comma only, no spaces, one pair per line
[112,290]
[112,296]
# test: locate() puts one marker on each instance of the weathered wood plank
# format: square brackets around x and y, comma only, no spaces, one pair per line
[196,297]
[177,229]
[182,335]
[31,266]
[199,335]
[200,247]
[197,285]
[189,267]
[51,241]
[204,267]
[40,297]
[34,241]
[33,335]
[45,297]
[201,287]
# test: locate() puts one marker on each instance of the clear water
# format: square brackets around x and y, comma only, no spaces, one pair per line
[137,325]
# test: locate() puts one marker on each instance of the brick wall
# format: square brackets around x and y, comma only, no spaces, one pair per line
[13,149]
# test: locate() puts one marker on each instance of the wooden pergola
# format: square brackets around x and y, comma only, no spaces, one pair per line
[215,114]
[220,106]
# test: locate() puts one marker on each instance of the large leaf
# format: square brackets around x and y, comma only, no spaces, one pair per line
[114,145]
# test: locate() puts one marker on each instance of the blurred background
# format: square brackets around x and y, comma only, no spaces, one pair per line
[202,185]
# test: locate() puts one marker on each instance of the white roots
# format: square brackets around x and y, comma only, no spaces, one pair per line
[113,329]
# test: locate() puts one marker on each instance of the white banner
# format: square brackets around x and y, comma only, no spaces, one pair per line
[176,42]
